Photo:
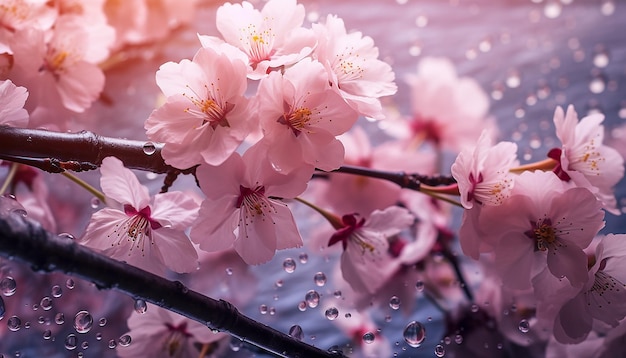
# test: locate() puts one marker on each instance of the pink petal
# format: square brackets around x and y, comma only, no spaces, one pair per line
[217,219]
[567,259]
[174,209]
[573,323]
[178,253]
[121,185]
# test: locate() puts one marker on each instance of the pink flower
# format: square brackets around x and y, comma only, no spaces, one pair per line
[12,99]
[602,298]
[271,38]
[539,223]
[446,110]
[206,116]
[301,116]
[365,263]
[242,209]
[483,173]
[21,14]
[143,231]
[353,67]
[584,159]
[160,333]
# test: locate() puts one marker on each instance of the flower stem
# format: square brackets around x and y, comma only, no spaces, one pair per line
[333,219]
[435,193]
[9,178]
[98,194]
[546,164]
[454,261]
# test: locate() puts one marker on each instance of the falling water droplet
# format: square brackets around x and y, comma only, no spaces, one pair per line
[141,306]
[337,294]
[296,332]
[149,148]
[84,345]
[304,258]
[46,303]
[70,284]
[102,322]
[83,321]
[47,334]
[394,302]
[14,324]
[524,326]
[302,306]
[332,313]
[56,291]
[289,265]
[414,334]
[59,318]
[124,340]
[312,298]
[440,351]
[112,343]
[70,342]
[369,337]
[320,279]
[8,286]
[95,202]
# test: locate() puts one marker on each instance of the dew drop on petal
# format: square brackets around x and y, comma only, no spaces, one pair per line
[47,334]
[46,303]
[414,334]
[440,351]
[70,342]
[56,291]
[289,265]
[59,318]
[141,306]
[8,286]
[369,337]
[83,321]
[332,313]
[14,323]
[149,148]
[524,326]
[112,343]
[70,284]
[124,340]
[296,332]
[320,279]
[312,298]
[394,302]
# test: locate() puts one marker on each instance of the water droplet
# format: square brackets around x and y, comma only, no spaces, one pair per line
[47,334]
[419,285]
[272,311]
[14,324]
[263,309]
[414,334]
[84,345]
[95,202]
[149,148]
[458,339]
[320,279]
[474,308]
[440,351]
[124,340]
[46,303]
[102,322]
[369,337]
[296,332]
[552,10]
[279,283]
[312,298]
[70,284]
[394,302]
[513,80]
[348,315]
[98,336]
[304,258]
[66,236]
[601,59]
[607,8]
[141,306]
[59,318]
[8,286]
[56,291]
[20,212]
[83,321]
[27,325]
[229,271]
[337,294]
[70,342]
[2,308]
[421,21]
[332,313]
[112,344]
[302,306]
[524,326]
[289,265]
[41,320]
[597,84]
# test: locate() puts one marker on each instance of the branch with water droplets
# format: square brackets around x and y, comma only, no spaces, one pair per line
[25,240]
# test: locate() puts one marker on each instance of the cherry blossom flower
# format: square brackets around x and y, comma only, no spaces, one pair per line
[241,209]
[483,173]
[160,333]
[143,231]
[301,116]
[206,116]
[584,159]
[353,67]
[12,99]
[22,14]
[538,223]
[365,264]
[602,298]
[446,110]
[271,38]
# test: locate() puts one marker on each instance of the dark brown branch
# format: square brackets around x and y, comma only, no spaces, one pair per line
[27,241]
